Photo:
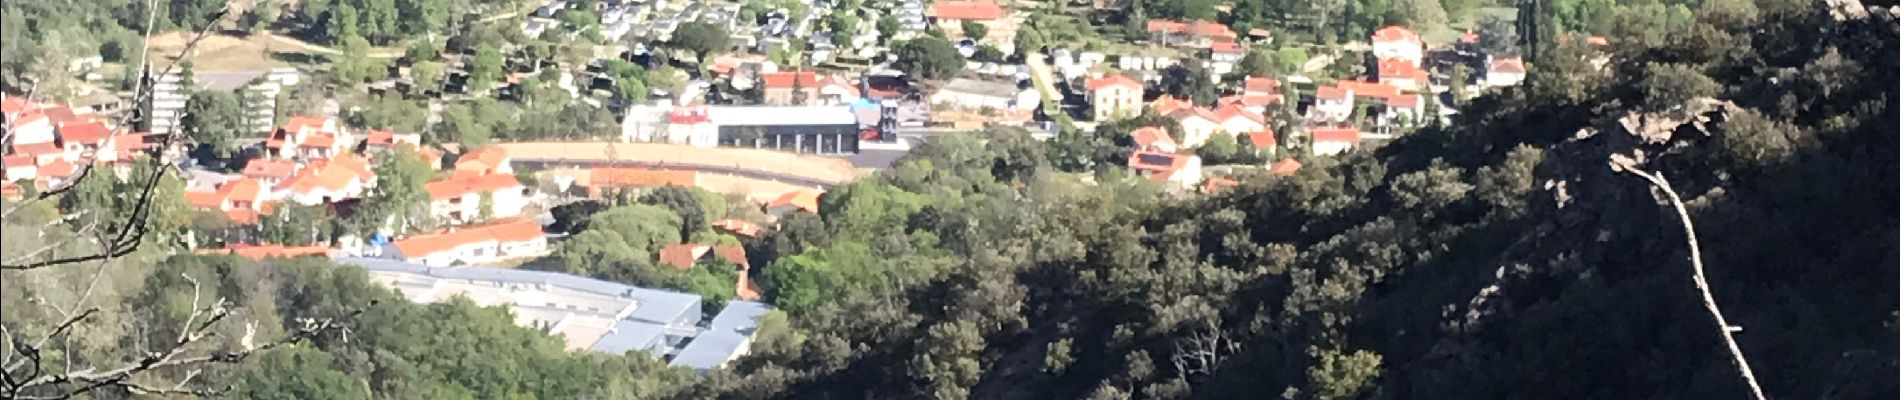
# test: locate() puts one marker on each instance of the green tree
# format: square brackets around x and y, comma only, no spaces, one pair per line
[1189,81]
[974,30]
[1666,86]
[1497,37]
[929,59]
[214,120]
[296,224]
[700,38]
[687,203]
[427,75]
[646,228]
[487,68]
[888,26]
[1220,148]
[316,377]
[397,202]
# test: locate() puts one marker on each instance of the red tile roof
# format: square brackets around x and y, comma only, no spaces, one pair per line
[1228,48]
[35,149]
[482,159]
[1113,80]
[1598,41]
[10,105]
[26,118]
[59,168]
[1402,101]
[1250,100]
[1196,112]
[1395,33]
[682,255]
[319,141]
[790,79]
[1332,135]
[20,160]
[1262,139]
[1259,32]
[1394,68]
[1153,136]
[1197,28]
[330,175]
[803,200]
[1285,167]
[1507,65]
[59,115]
[738,227]
[1470,37]
[380,137]
[1161,166]
[458,187]
[270,168]
[1261,84]
[1165,104]
[1330,93]
[968,10]
[734,255]
[84,132]
[1230,111]
[508,231]
[203,199]
[1370,89]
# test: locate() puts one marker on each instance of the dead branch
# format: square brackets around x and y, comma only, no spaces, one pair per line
[1625,164]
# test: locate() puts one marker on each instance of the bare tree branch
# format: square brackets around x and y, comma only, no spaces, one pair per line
[1626,164]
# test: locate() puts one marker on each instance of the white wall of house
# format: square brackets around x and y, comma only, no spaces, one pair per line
[1332,110]
[1196,130]
[1241,125]
[1498,79]
[1409,51]
[39,131]
[1329,148]
[1115,101]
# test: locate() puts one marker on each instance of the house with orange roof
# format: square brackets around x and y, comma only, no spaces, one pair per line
[787,88]
[58,172]
[1254,103]
[1402,75]
[1197,125]
[1261,85]
[744,289]
[1398,42]
[484,161]
[1329,141]
[471,245]
[1154,138]
[802,200]
[307,136]
[460,199]
[270,171]
[1179,171]
[11,191]
[687,255]
[30,126]
[1405,106]
[329,180]
[82,140]
[1331,103]
[1196,34]
[1166,104]
[20,167]
[1262,142]
[1235,119]
[1504,71]
[950,16]
[1226,52]
[1114,96]
[242,200]
[385,140]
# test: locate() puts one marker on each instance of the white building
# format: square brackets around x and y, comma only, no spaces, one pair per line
[472,245]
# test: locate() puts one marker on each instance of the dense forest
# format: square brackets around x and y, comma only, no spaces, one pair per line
[1498,257]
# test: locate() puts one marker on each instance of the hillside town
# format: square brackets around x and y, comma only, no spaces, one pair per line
[610,169]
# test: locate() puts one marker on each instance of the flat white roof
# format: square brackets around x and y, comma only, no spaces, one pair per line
[782,115]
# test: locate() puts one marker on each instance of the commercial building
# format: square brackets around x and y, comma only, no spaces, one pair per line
[833,129]
[587,314]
